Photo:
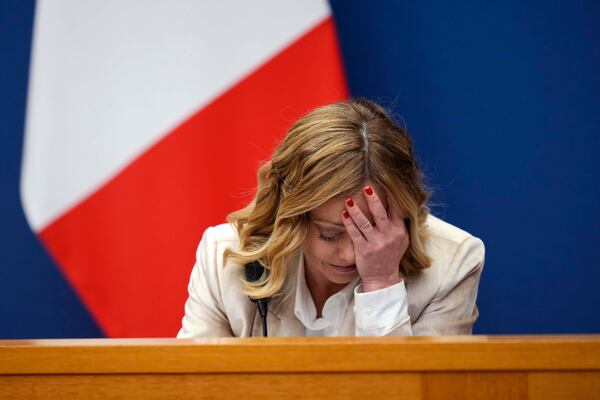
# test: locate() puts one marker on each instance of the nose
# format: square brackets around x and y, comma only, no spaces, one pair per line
[346,250]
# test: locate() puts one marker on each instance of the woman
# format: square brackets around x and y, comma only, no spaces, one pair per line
[342,239]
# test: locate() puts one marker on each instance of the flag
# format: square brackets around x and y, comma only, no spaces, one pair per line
[146,122]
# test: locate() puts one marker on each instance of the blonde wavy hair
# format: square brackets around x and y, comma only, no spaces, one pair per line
[327,153]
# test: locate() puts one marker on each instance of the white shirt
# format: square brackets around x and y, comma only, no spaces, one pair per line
[376,313]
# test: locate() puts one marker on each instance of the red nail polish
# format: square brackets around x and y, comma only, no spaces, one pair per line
[369,190]
[346,214]
[349,203]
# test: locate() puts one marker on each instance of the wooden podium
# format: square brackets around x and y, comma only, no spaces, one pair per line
[465,367]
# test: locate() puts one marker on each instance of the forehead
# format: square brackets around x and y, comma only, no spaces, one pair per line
[331,210]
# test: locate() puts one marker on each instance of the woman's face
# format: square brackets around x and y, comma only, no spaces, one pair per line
[328,250]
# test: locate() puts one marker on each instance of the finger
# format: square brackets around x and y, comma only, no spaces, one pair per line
[380,215]
[360,220]
[353,231]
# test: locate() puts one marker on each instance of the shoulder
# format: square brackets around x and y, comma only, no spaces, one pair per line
[455,255]
[225,278]
[218,236]
[216,305]
[445,241]
[443,229]
[210,253]
[221,233]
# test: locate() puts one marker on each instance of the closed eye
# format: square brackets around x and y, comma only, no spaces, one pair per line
[328,238]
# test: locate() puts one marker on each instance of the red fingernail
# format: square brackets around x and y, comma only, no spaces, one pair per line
[346,214]
[349,203]
[369,190]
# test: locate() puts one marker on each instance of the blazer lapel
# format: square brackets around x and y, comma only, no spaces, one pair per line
[286,325]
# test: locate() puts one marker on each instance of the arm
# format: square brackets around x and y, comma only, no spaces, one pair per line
[379,244]
[204,311]
[451,312]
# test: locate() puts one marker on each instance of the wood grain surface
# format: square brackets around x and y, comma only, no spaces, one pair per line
[465,367]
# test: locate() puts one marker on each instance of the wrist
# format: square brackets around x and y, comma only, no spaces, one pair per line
[371,285]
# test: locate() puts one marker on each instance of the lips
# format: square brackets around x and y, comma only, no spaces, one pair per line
[348,269]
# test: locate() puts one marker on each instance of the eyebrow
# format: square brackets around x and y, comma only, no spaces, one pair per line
[318,221]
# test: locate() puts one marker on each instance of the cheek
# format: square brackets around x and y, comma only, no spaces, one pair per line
[319,250]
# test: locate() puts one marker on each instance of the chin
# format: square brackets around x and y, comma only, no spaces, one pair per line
[338,278]
[342,280]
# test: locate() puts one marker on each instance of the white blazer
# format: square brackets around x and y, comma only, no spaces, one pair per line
[441,298]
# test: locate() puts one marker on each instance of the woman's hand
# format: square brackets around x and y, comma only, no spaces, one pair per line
[378,247]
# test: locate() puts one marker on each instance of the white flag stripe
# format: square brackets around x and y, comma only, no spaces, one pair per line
[110,78]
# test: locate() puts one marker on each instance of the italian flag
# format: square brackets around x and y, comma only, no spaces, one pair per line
[146,122]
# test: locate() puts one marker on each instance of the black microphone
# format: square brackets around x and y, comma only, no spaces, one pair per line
[254,271]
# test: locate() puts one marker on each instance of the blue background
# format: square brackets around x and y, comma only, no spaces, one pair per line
[503,100]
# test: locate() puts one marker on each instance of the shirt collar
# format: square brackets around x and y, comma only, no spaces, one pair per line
[304,306]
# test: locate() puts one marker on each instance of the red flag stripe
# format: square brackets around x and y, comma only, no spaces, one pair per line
[128,248]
